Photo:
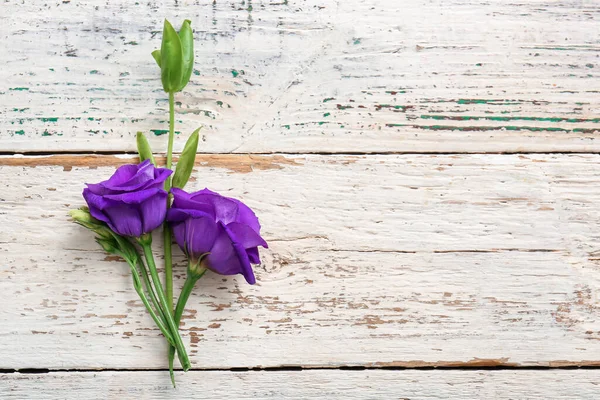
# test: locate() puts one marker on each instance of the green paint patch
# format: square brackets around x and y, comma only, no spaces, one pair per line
[220,103]
[322,122]
[20,109]
[48,119]
[328,99]
[98,89]
[483,128]
[124,74]
[51,69]
[484,101]
[286,126]
[94,72]
[394,108]
[545,119]
[478,64]
[19,88]
[589,65]
[20,132]
[47,133]
[236,73]
[159,132]
[356,41]
[196,72]
[326,115]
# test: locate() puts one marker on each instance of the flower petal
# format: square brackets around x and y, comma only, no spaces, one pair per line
[245,235]
[125,219]
[153,211]
[182,200]
[247,216]
[253,255]
[226,210]
[136,197]
[200,235]
[223,258]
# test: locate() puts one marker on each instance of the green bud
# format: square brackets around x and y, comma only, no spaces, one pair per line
[186,161]
[187,45]
[175,57]
[171,59]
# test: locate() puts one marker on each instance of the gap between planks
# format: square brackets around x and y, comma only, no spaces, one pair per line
[483,366]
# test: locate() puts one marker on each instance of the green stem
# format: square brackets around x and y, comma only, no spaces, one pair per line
[171,131]
[167,230]
[138,288]
[150,290]
[188,286]
[145,242]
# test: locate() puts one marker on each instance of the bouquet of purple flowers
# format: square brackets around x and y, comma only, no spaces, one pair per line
[215,232]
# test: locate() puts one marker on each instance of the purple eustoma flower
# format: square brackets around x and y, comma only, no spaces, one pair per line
[133,201]
[225,228]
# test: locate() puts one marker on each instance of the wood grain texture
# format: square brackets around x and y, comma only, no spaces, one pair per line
[306,76]
[353,385]
[398,260]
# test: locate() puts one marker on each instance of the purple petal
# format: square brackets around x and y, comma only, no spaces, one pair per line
[182,200]
[247,216]
[229,258]
[226,210]
[124,219]
[95,204]
[223,258]
[200,235]
[137,197]
[131,177]
[253,255]
[245,236]
[178,229]
[154,210]
[178,214]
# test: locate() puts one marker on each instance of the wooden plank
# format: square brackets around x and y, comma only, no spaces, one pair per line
[405,260]
[334,384]
[306,76]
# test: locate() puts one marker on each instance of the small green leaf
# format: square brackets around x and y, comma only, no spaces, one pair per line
[171,59]
[186,161]
[144,149]
[157,58]
[187,45]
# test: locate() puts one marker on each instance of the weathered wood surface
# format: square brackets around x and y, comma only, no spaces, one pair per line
[306,75]
[347,385]
[398,260]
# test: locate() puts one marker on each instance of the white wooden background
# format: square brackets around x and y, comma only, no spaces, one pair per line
[426,173]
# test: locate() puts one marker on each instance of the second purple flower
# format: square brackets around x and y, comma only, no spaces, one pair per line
[221,231]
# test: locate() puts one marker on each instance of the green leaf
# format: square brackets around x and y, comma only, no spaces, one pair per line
[186,161]
[156,55]
[144,149]
[171,59]
[187,45]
